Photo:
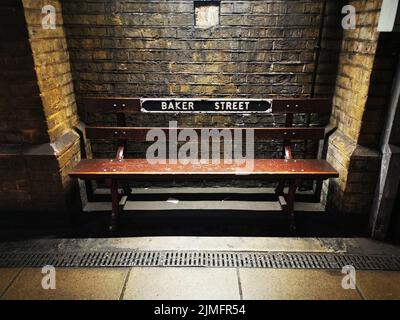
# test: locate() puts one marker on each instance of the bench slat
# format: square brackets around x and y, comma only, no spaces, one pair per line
[266,168]
[314,105]
[260,134]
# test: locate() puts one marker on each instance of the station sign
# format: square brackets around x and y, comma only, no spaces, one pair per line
[221,106]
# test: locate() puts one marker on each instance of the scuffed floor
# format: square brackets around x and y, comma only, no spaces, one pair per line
[200,282]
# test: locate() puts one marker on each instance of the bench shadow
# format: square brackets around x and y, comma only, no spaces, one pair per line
[221,223]
[238,224]
[202,223]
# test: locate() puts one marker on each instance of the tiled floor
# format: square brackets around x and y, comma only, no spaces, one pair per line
[182,283]
[7,276]
[278,284]
[196,283]
[201,283]
[379,285]
[98,284]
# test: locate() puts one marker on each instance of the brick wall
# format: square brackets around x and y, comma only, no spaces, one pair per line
[349,193]
[151,48]
[22,121]
[354,71]
[18,82]
[37,141]
[260,49]
[52,67]
[330,46]
[363,84]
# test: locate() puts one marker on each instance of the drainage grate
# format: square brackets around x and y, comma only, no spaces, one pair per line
[213,259]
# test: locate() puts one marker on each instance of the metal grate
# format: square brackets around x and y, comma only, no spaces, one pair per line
[213,259]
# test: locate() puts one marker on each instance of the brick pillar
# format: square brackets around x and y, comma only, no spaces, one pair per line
[358,113]
[38,109]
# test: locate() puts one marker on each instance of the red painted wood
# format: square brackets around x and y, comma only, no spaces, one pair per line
[271,168]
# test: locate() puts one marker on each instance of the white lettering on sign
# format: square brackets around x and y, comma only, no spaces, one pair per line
[206,105]
[218,106]
[232,106]
[177,106]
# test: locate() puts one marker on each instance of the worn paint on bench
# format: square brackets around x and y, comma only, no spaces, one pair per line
[268,168]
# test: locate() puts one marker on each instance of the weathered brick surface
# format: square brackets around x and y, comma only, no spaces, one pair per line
[18,81]
[354,71]
[363,84]
[330,46]
[51,59]
[151,48]
[260,49]
[38,111]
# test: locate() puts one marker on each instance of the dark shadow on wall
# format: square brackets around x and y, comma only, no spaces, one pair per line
[329,50]
[379,94]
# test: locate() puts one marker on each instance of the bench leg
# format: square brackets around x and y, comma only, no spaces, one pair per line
[89,190]
[290,203]
[279,188]
[113,185]
[126,188]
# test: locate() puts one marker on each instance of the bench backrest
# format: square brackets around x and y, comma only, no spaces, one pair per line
[289,107]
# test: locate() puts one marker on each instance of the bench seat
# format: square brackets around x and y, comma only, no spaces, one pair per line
[263,168]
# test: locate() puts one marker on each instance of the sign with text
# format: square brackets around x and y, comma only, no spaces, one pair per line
[160,105]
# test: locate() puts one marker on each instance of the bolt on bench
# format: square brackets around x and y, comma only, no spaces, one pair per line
[119,170]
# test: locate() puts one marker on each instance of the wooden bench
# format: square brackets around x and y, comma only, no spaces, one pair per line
[117,171]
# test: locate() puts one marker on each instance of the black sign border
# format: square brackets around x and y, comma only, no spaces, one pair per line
[144,110]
